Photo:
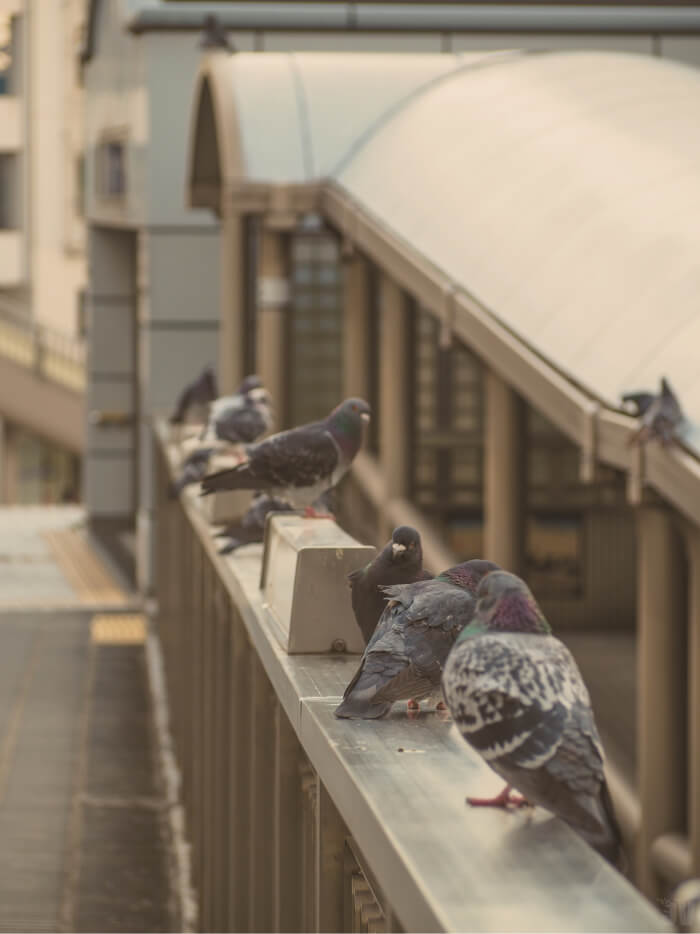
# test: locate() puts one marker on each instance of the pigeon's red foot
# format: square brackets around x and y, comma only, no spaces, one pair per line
[310,513]
[502,800]
[413,705]
[441,705]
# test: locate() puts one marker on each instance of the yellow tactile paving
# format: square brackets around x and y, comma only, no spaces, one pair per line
[83,570]
[121,629]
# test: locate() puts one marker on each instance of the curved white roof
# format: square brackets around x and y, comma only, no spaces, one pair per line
[562,190]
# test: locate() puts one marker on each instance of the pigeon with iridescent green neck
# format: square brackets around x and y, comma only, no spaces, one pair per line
[406,654]
[399,562]
[300,465]
[518,698]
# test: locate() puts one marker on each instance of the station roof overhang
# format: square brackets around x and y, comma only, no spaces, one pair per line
[546,207]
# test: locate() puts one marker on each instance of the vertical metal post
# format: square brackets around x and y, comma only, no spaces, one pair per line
[393,396]
[240,741]
[661,655]
[273,302]
[262,780]
[221,717]
[693,551]
[504,474]
[288,876]
[329,863]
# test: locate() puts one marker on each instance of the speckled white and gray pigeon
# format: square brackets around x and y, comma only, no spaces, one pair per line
[214,36]
[299,465]
[661,417]
[195,398]
[406,654]
[518,698]
[399,562]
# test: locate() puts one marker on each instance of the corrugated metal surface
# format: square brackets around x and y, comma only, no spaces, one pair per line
[562,191]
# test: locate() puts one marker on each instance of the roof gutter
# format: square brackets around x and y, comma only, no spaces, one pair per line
[423,17]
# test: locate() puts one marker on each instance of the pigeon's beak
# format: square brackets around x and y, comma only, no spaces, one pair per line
[397,549]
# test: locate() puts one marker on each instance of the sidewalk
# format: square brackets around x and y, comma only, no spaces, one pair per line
[83,842]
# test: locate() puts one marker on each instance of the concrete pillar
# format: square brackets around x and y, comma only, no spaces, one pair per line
[393,390]
[661,655]
[505,472]
[272,305]
[355,326]
[693,551]
[230,362]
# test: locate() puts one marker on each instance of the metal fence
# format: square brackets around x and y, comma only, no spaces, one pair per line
[301,822]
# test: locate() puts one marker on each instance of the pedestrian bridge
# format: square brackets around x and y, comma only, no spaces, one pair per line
[42,381]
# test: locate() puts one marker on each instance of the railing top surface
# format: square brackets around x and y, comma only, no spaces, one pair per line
[400,786]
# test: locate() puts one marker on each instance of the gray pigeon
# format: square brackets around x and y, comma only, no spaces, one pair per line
[214,35]
[241,418]
[399,562]
[195,397]
[193,468]
[518,698]
[638,401]
[300,465]
[406,654]
[661,417]
[251,527]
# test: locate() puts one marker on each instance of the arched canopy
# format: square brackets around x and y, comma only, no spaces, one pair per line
[560,190]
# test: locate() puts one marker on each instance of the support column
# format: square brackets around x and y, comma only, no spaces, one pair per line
[230,362]
[693,546]
[505,471]
[661,656]
[355,327]
[273,303]
[10,466]
[393,394]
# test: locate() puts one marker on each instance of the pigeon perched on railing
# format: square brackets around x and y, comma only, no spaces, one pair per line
[518,698]
[406,654]
[195,398]
[193,468]
[399,562]
[299,465]
[661,415]
[214,36]
[240,418]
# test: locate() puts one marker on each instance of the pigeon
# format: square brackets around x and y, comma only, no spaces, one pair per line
[195,397]
[406,654]
[241,418]
[518,698]
[193,468]
[214,35]
[399,562]
[637,402]
[301,464]
[661,417]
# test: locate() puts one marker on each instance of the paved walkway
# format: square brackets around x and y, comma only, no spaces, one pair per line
[83,842]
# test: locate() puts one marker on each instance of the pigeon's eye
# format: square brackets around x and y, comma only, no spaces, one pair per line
[412,546]
[354,407]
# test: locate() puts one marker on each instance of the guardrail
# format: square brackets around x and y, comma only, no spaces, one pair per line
[53,356]
[301,822]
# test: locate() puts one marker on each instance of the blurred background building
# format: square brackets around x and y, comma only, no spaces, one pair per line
[42,252]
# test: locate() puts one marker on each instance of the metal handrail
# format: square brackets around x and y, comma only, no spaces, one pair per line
[299,821]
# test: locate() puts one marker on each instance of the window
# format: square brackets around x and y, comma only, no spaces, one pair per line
[111,168]
[315,320]
[447,434]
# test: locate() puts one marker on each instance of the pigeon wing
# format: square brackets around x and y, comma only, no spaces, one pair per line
[241,425]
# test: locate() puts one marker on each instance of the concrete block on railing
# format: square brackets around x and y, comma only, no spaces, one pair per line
[304,584]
